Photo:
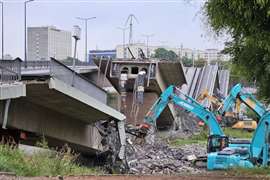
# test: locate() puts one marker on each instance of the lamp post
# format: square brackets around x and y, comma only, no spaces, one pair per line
[77,36]
[85,21]
[124,39]
[25,32]
[2,20]
[193,57]
[147,43]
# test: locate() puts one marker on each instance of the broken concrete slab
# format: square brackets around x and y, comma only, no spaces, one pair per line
[12,90]
[159,75]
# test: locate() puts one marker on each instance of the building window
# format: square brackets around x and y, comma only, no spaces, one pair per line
[125,70]
[134,70]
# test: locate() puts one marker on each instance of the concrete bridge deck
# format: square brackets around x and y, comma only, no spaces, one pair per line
[62,106]
[209,78]
[159,75]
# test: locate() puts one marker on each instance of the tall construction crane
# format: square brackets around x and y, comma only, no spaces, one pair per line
[130,19]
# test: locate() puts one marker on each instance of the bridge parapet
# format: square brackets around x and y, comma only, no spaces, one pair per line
[60,71]
[10,70]
[36,65]
[45,65]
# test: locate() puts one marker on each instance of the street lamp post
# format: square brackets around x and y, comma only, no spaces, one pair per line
[25,32]
[2,20]
[77,36]
[193,57]
[85,21]
[147,43]
[124,39]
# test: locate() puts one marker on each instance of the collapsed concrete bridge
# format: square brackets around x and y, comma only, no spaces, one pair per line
[208,77]
[159,75]
[55,102]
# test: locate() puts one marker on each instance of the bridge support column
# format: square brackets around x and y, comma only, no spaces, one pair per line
[5,118]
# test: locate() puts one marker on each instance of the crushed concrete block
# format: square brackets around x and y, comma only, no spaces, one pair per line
[191,157]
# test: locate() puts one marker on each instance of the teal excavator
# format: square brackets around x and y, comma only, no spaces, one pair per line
[256,153]
[216,140]
[223,152]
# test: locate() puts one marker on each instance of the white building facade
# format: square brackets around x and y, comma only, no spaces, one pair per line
[208,54]
[46,42]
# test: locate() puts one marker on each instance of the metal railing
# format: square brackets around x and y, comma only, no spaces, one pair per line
[68,76]
[77,63]
[45,65]
[36,65]
[10,70]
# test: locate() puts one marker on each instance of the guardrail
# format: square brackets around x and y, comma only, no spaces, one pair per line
[35,65]
[77,63]
[10,70]
[70,77]
[45,65]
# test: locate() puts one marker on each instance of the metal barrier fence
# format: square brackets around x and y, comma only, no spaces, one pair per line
[45,65]
[35,65]
[77,63]
[67,75]
[10,70]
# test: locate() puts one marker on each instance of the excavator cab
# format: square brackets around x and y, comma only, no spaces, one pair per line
[216,143]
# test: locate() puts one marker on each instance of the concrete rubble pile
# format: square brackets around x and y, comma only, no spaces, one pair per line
[189,123]
[159,158]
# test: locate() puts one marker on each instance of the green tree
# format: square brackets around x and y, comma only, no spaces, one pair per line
[186,61]
[162,53]
[248,23]
[172,55]
[200,63]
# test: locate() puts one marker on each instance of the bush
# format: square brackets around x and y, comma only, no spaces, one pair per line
[45,163]
[200,138]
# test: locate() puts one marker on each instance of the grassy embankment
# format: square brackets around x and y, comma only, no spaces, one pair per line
[202,137]
[257,171]
[45,163]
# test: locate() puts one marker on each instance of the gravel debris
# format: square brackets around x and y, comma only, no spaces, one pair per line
[159,158]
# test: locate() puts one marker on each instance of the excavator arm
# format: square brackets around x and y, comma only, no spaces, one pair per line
[237,96]
[215,102]
[174,95]
[216,139]
[259,147]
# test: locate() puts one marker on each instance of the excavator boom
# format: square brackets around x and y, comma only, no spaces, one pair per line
[237,96]
[174,95]
[257,153]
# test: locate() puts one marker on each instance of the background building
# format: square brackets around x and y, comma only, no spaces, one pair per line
[134,48]
[46,42]
[111,54]
[196,54]
[8,57]
[212,55]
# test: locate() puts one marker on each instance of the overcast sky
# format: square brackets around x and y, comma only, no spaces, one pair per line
[172,22]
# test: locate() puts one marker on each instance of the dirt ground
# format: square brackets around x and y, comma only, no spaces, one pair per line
[130,177]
